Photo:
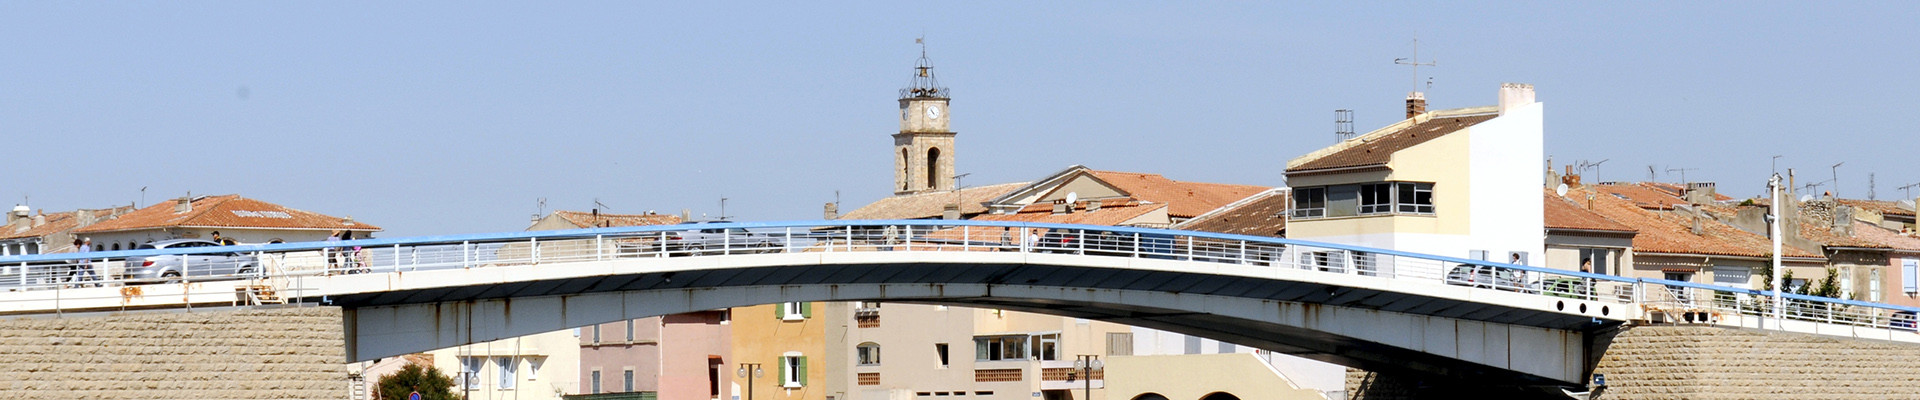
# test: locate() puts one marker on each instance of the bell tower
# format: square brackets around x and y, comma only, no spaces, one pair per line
[923,150]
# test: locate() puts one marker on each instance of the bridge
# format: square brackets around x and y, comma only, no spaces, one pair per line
[1373,309]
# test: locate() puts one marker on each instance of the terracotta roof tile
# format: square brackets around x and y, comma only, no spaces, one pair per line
[1884,236]
[1882,206]
[932,204]
[1565,213]
[227,211]
[1184,199]
[1660,230]
[602,220]
[1262,214]
[58,222]
[1378,148]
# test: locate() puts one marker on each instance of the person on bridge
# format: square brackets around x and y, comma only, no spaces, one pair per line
[1006,238]
[223,241]
[332,252]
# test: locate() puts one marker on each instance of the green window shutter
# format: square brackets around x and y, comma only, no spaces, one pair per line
[806,310]
[783,372]
[803,370]
[779,310]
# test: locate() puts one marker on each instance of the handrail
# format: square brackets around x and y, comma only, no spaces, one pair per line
[1180,243]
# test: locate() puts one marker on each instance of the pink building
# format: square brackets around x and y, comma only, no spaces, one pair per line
[680,356]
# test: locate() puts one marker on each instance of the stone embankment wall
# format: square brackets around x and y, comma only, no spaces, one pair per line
[1703,362]
[265,353]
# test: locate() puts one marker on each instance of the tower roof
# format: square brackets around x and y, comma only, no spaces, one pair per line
[924,84]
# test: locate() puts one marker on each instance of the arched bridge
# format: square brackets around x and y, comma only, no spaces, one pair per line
[1374,309]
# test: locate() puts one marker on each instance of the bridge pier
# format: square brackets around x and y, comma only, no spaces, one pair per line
[1701,362]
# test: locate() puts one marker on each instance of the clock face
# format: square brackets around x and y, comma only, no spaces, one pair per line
[933,112]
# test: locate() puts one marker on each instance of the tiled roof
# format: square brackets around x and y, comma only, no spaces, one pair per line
[1882,206]
[1660,230]
[1184,199]
[1262,214]
[1565,213]
[931,204]
[1378,148]
[1679,190]
[227,211]
[1106,215]
[1884,236]
[602,220]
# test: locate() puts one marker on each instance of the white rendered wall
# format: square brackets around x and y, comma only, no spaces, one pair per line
[1506,170]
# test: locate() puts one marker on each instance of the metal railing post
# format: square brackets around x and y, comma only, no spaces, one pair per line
[787,245]
[966,238]
[466,254]
[599,248]
[396,257]
[849,237]
[1243,253]
[534,253]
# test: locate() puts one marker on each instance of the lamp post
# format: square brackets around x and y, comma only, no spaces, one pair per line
[757,372]
[1087,364]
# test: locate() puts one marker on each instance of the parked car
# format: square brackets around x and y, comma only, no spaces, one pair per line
[1902,320]
[699,241]
[1485,277]
[175,266]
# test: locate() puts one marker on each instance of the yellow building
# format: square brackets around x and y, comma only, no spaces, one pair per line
[781,348]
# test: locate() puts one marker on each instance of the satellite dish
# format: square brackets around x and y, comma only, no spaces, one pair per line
[1560,190]
[1072,197]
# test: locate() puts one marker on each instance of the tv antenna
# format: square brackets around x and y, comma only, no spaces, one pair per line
[723,207]
[597,205]
[1908,189]
[1652,176]
[1683,173]
[1342,125]
[1415,63]
[1870,186]
[1595,166]
[1836,179]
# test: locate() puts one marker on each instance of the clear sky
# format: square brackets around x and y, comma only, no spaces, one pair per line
[432,118]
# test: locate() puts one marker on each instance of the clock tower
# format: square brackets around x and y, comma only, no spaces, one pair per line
[923,150]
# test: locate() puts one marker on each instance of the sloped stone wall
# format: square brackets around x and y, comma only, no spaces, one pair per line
[266,353]
[1703,362]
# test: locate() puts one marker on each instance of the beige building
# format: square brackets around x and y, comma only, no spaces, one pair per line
[28,233]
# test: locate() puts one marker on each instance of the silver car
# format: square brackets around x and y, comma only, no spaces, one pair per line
[175,266]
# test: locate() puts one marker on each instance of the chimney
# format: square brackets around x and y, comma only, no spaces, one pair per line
[832,211]
[20,212]
[84,217]
[182,205]
[1416,104]
[1699,213]
[1843,221]
[1515,95]
[40,219]
[951,211]
[1061,207]
[1700,193]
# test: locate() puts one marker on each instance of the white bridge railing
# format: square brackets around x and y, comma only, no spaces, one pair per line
[273,272]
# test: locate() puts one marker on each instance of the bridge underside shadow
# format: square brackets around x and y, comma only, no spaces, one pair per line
[1370,328]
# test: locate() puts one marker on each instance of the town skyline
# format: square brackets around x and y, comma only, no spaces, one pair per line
[427,119]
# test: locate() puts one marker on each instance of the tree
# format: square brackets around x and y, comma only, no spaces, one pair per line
[430,382]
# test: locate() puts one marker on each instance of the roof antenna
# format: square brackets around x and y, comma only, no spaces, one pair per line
[1908,189]
[1415,63]
[1342,125]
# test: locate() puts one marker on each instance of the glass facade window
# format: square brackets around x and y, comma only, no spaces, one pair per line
[1378,198]
[1309,202]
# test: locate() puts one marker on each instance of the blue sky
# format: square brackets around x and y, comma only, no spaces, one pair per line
[431,117]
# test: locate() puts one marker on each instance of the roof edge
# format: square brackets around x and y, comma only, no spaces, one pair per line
[1389,129]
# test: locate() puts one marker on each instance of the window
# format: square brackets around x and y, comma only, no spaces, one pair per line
[713,376]
[1310,202]
[1680,293]
[1376,198]
[933,167]
[1599,258]
[1414,198]
[1846,282]
[505,369]
[940,349]
[1046,347]
[629,331]
[793,370]
[993,348]
[1119,343]
[626,381]
[869,353]
[595,382]
[596,334]
[1739,277]
[1909,275]
[1873,286]
[794,311]
[469,372]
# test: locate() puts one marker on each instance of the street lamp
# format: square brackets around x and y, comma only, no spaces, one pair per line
[757,372]
[1087,364]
